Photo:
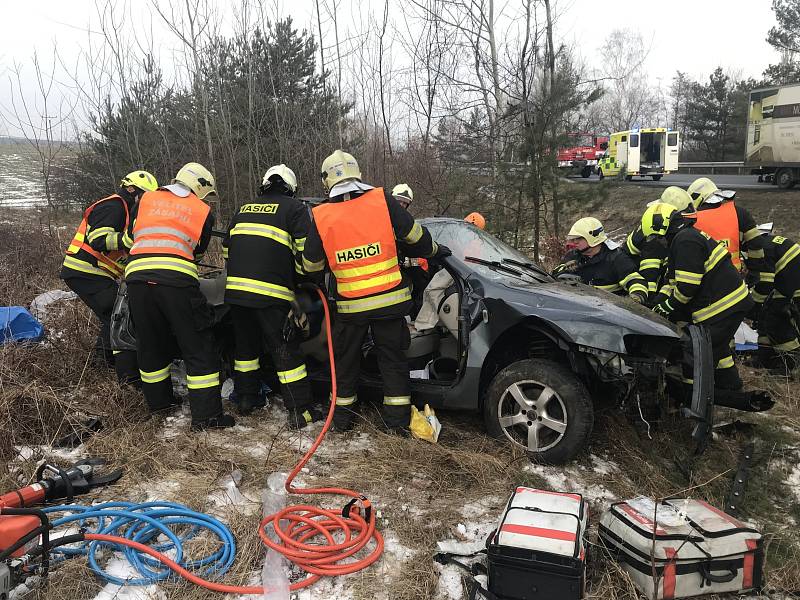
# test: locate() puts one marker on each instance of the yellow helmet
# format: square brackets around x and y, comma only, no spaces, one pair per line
[701,190]
[590,229]
[339,167]
[140,179]
[679,198]
[197,178]
[657,218]
[404,192]
[285,173]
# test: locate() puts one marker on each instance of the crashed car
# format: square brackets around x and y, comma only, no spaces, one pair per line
[531,354]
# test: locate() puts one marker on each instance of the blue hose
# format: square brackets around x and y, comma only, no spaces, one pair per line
[147,523]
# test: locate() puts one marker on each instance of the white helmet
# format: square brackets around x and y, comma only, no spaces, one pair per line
[285,173]
[403,192]
[589,229]
[197,178]
[339,166]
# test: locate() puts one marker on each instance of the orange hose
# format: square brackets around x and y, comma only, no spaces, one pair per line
[301,523]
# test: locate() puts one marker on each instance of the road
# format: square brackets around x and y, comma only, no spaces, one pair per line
[730,182]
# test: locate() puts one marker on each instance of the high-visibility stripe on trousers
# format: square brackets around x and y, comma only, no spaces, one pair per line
[245,366]
[155,376]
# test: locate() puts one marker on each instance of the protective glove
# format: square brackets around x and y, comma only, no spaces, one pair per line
[638,298]
[296,324]
[442,251]
[664,308]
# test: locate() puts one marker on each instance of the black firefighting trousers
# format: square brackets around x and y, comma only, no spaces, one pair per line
[777,329]
[99,295]
[721,331]
[259,331]
[163,316]
[392,339]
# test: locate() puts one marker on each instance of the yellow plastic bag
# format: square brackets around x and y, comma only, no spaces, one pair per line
[425,425]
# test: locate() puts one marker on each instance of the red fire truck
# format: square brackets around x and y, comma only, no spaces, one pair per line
[583,156]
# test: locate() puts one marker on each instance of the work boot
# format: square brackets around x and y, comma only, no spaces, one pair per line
[175,401]
[221,421]
[299,418]
[247,403]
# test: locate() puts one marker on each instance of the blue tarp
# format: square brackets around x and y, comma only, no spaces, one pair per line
[17,324]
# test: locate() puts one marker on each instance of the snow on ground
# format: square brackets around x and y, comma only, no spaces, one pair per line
[119,566]
[793,481]
[574,478]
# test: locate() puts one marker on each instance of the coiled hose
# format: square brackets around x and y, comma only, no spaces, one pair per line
[300,529]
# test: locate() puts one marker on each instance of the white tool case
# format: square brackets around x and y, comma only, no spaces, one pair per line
[538,549]
[682,548]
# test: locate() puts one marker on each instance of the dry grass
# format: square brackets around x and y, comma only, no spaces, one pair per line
[423,491]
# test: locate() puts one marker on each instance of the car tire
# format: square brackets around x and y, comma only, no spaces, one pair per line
[586,172]
[564,417]
[657,177]
[628,177]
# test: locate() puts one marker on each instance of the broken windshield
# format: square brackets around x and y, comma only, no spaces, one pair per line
[466,240]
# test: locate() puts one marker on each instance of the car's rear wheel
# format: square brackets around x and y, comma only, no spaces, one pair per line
[541,407]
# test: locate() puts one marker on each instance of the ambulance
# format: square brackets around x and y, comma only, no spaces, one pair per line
[640,153]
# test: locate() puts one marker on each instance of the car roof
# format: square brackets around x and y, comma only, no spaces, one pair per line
[442,220]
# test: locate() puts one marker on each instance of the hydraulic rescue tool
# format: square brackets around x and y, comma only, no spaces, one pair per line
[24,531]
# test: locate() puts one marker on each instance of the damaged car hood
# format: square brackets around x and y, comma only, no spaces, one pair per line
[583,314]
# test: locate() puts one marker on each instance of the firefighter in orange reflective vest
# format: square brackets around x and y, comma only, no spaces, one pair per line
[720,217]
[92,264]
[355,234]
[170,229]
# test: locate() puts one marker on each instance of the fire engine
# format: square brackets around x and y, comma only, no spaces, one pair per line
[584,155]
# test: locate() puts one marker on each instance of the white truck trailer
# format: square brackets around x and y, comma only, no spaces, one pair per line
[773,135]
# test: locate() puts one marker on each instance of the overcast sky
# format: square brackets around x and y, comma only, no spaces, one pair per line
[693,36]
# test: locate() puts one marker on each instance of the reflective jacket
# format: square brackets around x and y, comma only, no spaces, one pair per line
[730,224]
[170,228]
[703,285]
[649,255]
[356,238]
[263,247]
[609,270]
[95,250]
[775,269]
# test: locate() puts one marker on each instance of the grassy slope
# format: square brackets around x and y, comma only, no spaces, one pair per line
[423,491]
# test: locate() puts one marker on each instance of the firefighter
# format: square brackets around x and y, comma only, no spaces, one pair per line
[263,247]
[92,264]
[720,217]
[355,234]
[705,288]
[774,276]
[590,258]
[169,231]
[404,195]
[650,253]
[476,219]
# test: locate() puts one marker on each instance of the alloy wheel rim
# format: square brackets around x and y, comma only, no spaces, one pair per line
[532,415]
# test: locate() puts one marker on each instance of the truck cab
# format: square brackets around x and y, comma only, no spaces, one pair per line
[649,152]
